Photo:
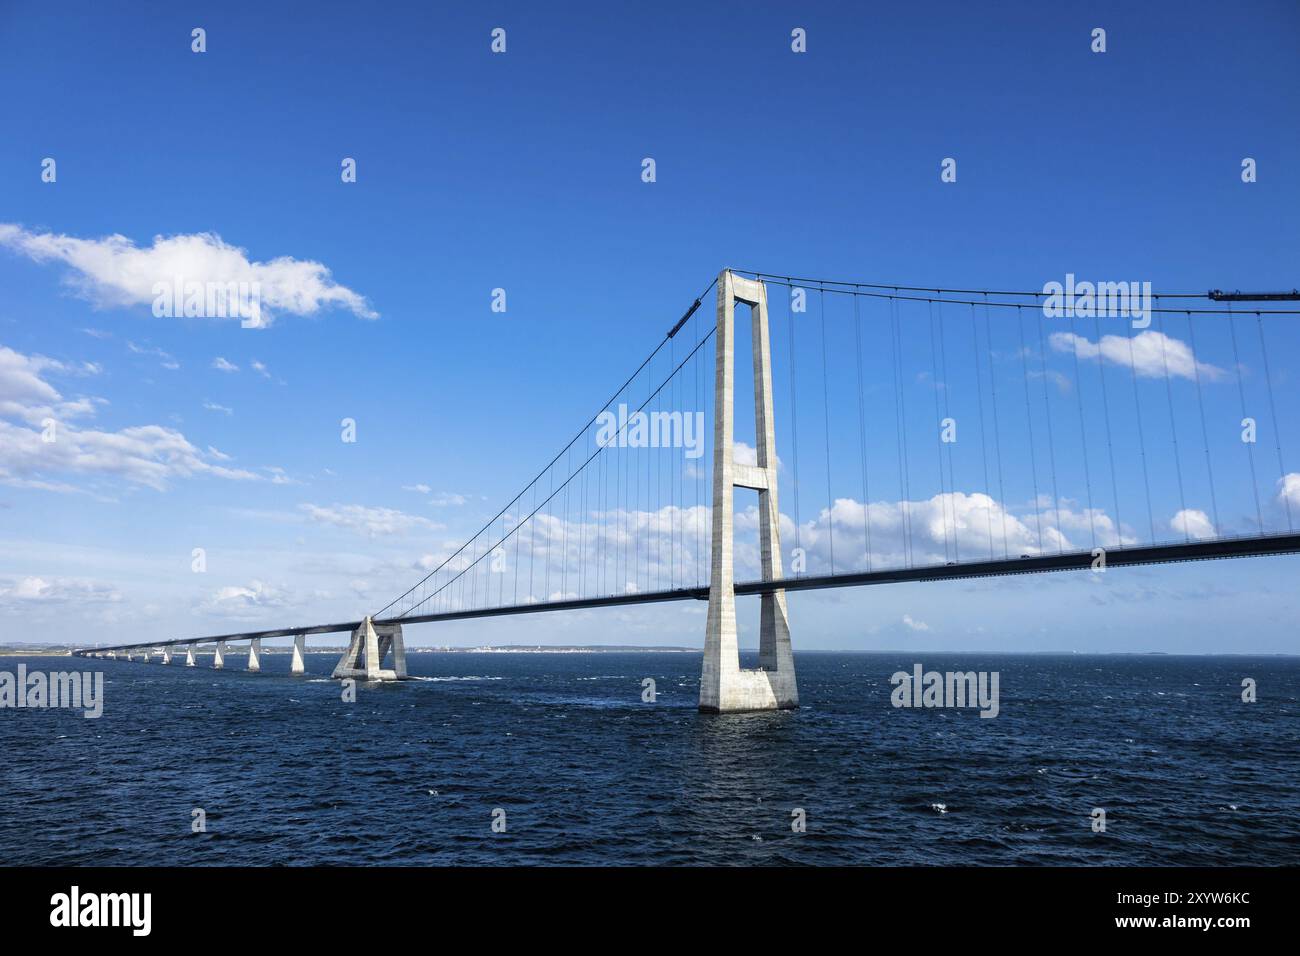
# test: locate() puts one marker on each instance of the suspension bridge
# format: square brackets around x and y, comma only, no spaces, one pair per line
[924,434]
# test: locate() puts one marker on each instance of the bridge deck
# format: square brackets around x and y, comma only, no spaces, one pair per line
[1243,547]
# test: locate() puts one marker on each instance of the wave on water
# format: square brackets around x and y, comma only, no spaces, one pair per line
[441,680]
[591,773]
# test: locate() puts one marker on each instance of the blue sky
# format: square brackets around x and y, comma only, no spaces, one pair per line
[522,171]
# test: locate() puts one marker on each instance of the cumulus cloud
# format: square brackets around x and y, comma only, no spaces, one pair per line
[114,271]
[27,396]
[149,455]
[1147,353]
[913,624]
[32,590]
[1288,489]
[633,550]
[370,522]
[1193,524]
[221,365]
[244,600]
[745,454]
[39,437]
[957,526]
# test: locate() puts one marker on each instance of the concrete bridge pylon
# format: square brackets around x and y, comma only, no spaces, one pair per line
[724,686]
[364,658]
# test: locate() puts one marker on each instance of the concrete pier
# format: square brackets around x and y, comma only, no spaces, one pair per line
[219,655]
[724,686]
[189,655]
[299,646]
[364,658]
[255,654]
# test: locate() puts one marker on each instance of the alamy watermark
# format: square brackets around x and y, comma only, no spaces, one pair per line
[56,689]
[209,300]
[1098,299]
[74,908]
[654,430]
[923,688]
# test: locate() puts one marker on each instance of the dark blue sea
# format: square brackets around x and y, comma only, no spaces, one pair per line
[286,772]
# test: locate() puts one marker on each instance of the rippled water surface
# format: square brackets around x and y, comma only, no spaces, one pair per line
[288,773]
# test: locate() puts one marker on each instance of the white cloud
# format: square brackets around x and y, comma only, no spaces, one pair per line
[114,271]
[442,499]
[237,600]
[370,522]
[914,624]
[214,407]
[670,546]
[279,476]
[166,360]
[150,455]
[1147,352]
[745,454]
[1288,489]
[1192,523]
[31,590]
[964,526]
[259,368]
[221,365]
[26,395]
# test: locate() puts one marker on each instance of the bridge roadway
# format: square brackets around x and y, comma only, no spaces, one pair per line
[1234,547]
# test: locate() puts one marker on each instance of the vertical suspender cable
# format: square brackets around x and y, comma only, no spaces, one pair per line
[1173,426]
[1029,422]
[1205,432]
[794,418]
[1083,431]
[1051,442]
[984,450]
[673,471]
[938,426]
[826,410]
[997,428]
[898,428]
[1142,441]
[1241,394]
[1277,434]
[699,467]
[906,504]
[947,413]
[1110,444]
[862,425]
